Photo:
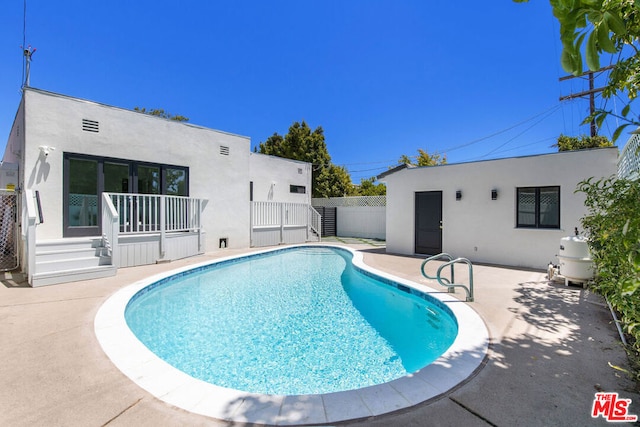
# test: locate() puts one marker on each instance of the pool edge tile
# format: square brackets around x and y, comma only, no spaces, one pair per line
[302,409]
[344,405]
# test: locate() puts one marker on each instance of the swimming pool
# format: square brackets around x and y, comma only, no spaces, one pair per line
[172,385]
[296,321]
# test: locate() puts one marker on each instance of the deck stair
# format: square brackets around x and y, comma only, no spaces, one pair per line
[70,260]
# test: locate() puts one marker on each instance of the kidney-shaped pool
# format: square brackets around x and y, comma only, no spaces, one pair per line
[304,325]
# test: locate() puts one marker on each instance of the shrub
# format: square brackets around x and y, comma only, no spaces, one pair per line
[613,227]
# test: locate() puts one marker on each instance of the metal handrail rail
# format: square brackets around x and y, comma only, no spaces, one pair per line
[441,256]
[469,289]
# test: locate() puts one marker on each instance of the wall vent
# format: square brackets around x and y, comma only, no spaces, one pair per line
[224,150]
[90,125]
[300,171]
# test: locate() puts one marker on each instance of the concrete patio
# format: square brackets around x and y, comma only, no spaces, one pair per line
[552,348]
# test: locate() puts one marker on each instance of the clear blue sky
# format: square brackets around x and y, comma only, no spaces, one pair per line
[469,79]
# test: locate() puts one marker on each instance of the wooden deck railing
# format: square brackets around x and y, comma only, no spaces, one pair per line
[152,213]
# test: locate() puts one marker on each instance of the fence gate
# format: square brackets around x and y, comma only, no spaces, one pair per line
[329,220]
[8,247]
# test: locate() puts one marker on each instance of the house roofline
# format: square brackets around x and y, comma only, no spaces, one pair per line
[88,101]
[302,162]
[401,167]
[394,170]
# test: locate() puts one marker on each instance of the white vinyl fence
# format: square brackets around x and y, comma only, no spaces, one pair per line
[361,216]
[274,223]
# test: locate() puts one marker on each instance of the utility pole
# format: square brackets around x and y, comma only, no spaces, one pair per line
[591,93]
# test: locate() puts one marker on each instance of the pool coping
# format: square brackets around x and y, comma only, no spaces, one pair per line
[172,386]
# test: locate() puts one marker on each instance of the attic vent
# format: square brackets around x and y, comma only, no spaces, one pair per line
[224,150]
[90,125]
[300,171]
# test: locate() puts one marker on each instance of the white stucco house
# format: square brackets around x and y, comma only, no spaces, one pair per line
[510,211]
[100,187]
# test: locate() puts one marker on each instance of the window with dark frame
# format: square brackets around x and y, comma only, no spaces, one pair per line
[538,207]
[300,189]
[85,177]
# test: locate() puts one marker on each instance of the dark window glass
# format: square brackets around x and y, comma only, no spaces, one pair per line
[176,180]
[116,178]
[301,189]
[83,193]
[538,207]
[87,177]
[148,180]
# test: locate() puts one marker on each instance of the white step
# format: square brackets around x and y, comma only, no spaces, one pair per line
[71,263]
[70,243]
[69,260]
[64,276]
[65,254]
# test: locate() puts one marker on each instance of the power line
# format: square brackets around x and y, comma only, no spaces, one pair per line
[475,141]
[518,135]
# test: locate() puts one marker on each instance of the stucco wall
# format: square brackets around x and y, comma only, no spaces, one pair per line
[56,121]
[272,176]
[482,229]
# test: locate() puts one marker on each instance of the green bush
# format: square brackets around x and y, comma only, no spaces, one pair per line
[613,227]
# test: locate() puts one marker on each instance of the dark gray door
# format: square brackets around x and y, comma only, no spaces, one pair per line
[428,222]
[329,220]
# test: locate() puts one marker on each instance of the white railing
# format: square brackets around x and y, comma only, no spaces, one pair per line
[110,227]
[29,232]
[151,213]
[315,224]
[280,217]
[277,214]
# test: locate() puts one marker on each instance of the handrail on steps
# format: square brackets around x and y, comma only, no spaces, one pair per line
[450,283]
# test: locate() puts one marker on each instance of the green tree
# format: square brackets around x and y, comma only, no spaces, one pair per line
[159,112]
[300,143]
[571,143]
[368,187]
[334,181]
[598,27]
[423,159]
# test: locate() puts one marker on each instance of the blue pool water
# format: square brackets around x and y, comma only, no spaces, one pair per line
[294,321]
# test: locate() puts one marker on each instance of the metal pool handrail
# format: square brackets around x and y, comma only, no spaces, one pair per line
[441,256]
[450,284]
[469,289]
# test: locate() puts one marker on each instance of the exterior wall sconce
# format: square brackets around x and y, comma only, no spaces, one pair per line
[45,150]
[494,194]
[458,195]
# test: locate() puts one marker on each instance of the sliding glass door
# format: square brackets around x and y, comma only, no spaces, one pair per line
[87,177]
[82,197]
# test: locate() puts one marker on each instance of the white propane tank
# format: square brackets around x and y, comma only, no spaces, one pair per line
[575,260]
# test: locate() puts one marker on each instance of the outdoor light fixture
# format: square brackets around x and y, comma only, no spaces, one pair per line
[45,150]
[458,195]
[494,194]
